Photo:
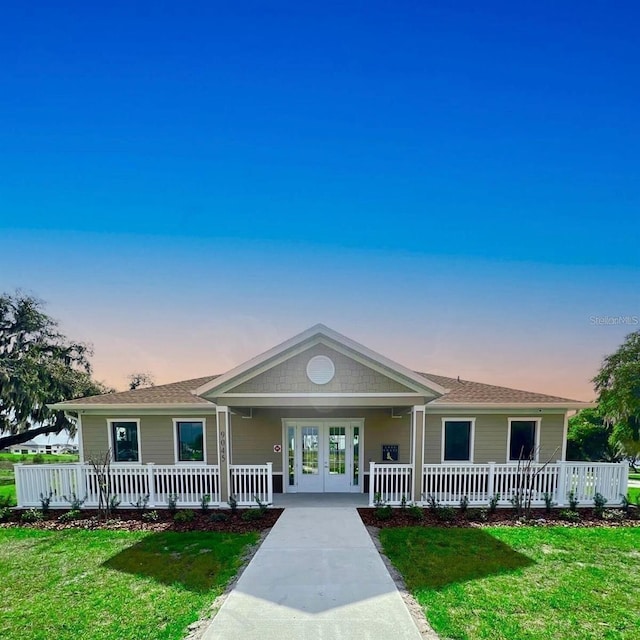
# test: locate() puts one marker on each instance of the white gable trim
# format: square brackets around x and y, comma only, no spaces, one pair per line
[320,334]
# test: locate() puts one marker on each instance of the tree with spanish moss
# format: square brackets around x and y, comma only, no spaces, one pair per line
[618,387]
[39,365]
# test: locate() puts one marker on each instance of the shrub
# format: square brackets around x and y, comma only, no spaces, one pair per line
[233,504]
[5,513]
[598,504]
[573,501]
[45,501]
[69,516]
[446,514]
[477,515]
[140,504]
[377,500]
[114,503]
[184,516]
[432,504]
[570,515]
[150,516]
[75,502]
[625,503]
[38,459]
[204,502]
[262,506]
[32,515]
[403,503]
[172,503]
[464,504]
[383,513]
[218,517]
[548,502]
[493,503]
[415,512]
[252,514]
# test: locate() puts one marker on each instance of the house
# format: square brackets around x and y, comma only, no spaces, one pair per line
[323,413]
[30,447]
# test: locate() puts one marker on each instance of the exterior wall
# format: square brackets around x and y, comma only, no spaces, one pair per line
[252,439]
[291,377]
[156,437]
[491,436]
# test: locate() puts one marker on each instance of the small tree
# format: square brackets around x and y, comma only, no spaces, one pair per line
[526,476]
[101,465]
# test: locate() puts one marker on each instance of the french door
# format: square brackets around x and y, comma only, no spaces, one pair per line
[323,456]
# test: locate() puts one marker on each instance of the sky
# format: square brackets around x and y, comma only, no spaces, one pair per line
[454,185]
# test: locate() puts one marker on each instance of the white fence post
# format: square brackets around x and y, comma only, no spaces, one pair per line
[491,480]
[561,489]
[269,482]
[19,481]
[372,480]
[151,486]
[624,478]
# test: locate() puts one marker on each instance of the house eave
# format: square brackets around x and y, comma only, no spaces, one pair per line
[506,406]
[132,407]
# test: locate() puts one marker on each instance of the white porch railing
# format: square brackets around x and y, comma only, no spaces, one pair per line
[390,483]
[250,481]
[129,483]
[449,483]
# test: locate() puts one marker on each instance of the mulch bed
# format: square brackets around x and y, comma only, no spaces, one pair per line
[131,520]
[501,518]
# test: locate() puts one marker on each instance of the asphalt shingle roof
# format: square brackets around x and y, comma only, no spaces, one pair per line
[468,392]
[460,392]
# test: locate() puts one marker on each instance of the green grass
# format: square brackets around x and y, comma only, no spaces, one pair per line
[522,583]
[8,491]
[49,458]
[634,476]
[110,584]
[634,494]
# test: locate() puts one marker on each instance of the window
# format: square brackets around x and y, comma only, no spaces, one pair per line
[125,441]
[457,439]
[190,440]
[523,435]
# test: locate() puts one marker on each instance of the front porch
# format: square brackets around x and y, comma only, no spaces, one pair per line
[391,484]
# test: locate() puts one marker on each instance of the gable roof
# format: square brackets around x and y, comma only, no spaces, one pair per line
[442,391]
[320,334]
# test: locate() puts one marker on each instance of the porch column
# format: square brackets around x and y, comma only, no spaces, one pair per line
[417,454]
[222,422]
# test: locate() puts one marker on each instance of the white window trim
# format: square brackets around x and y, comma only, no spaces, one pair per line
[536,445]
[472,439]
[110,422]
[175,441]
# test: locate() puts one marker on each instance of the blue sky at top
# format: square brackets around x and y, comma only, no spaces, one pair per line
[459,155]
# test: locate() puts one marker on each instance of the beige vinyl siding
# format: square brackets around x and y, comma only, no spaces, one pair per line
[551,431]
[157,437]
[350,377]
[95,439]
[253,439]
[491,437]
[380,428]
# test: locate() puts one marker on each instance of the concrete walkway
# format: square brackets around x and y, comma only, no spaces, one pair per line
[317,575]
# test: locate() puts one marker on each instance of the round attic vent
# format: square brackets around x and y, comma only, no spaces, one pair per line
[320,369]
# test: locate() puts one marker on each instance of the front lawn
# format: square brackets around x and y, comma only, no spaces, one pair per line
[522,583]
[634,494]
[8,491]
[111,584]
